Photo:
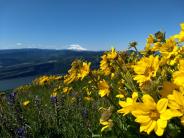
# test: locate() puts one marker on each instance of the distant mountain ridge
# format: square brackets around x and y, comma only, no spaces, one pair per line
[27,62]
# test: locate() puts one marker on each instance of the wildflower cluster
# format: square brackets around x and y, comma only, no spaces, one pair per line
[46,80]
[132,94]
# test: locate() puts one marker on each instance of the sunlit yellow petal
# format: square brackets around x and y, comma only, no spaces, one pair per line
[162,105]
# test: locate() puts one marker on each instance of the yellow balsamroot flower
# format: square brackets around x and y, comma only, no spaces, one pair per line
[120,96]
[103,88]
[148,46]
[182,26]
[42,80]
[146,68]
[25,103]
[84,71]
[112,54]
[72,72]
[168,47]
[146,50]
[176,105]
[104,119]
[129,105]
[78,70]
[181,50]
[149,115]
[178,76]
[67,89]
[107,125]
[169,51]
[174,60]
[180,36]
[69,78]
[46,79]
[104,65]
[156,46]
[150,39]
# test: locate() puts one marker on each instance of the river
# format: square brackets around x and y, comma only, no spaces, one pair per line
[15,82]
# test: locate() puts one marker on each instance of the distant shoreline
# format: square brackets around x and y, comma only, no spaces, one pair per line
[8,84]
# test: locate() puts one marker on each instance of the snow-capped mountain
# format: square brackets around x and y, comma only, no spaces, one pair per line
[76,47]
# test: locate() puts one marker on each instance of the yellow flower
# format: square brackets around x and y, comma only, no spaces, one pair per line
[67,89]
[43,80]
[112,54]
[72,72]
[107,125]
[103,88]
[156,46]
[25,103]
[150,39]
[169,51]
[84,71]
[178,76]
[129,105]
[120,96]
[182,26]
[145,69]
[180,36]
[176,105]
[69,78]
[149,113]
[146,50]
[104,119]
[104,65]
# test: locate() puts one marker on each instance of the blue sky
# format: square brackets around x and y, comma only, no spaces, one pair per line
[92,24]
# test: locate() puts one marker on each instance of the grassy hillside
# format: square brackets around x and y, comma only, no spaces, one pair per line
[129,96]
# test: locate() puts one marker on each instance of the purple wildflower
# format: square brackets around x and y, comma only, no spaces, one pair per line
[11,98]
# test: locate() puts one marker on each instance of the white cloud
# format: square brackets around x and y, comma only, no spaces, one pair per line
[76,47]
[19,44]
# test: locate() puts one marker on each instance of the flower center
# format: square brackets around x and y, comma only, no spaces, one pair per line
[154,115]
[149,71]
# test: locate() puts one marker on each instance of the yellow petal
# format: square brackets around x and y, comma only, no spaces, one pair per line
[124,104]
[162,105]
[25,103]
[173,105]
[148,101]
[169,113]
[103,128]
[161,123]
[151,127]
[145,126]
[159,131]
[120,96]
[182,26]
[104,122]
[178,97]
[142,119]
[134,95]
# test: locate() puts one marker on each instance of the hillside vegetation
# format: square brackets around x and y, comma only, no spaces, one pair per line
[130,95]
[28,62]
